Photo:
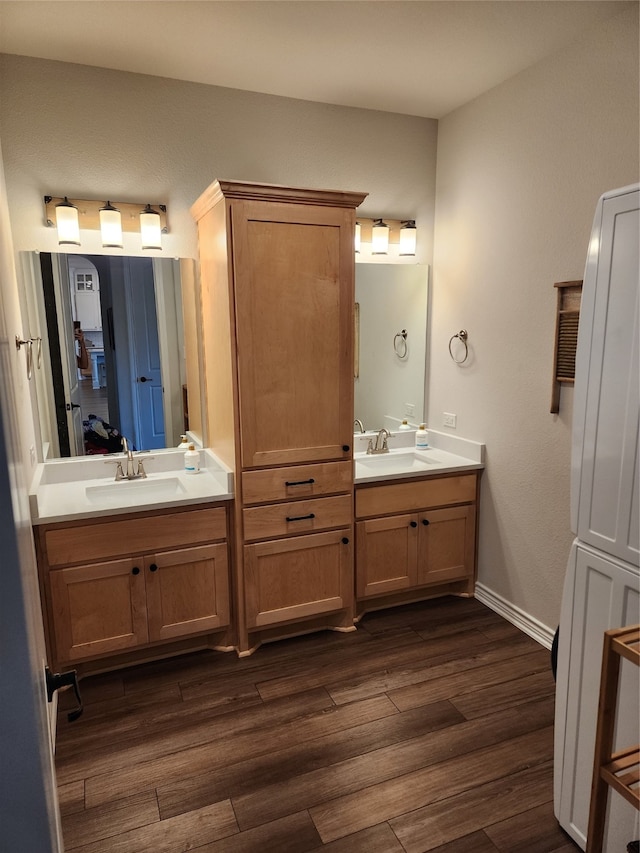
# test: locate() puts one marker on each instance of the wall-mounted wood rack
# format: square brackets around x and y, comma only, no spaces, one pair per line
[566,340]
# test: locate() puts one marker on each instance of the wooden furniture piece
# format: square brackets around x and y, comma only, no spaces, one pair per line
[277,278]
[619,770]
[416,538]
[129,583]
[566,338]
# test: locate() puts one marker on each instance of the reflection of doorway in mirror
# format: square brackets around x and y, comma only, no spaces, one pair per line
[84,283]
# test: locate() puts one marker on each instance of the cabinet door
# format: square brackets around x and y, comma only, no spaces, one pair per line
[386,554]
[291,579]
[446,547]
[98,608]
[294,296]
[187,591]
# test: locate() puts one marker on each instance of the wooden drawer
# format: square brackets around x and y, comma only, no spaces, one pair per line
[289,519]
[414,495]
[85,543]
[300,481]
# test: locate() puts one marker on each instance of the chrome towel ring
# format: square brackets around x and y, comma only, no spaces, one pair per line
[462,336]
[400,344]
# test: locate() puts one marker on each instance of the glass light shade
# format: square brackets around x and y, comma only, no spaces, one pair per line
[111,227]
[379,238]
[150,230]
[408,238]
[67,223]
[357,237]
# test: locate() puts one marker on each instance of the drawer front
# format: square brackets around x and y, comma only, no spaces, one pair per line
[414,495]
[90,542]
[300,481]
[289,519]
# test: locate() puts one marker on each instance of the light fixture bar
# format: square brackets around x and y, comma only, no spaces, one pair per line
[89,213]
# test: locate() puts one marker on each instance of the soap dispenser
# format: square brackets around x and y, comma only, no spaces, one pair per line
[404,424]
[191,460]
[184,443]
[422,438]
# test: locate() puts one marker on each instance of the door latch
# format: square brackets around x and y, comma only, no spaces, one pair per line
[56,680]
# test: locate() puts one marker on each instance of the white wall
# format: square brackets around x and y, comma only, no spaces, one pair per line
[519,173]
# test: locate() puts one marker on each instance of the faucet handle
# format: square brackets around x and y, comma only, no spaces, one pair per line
[140,472]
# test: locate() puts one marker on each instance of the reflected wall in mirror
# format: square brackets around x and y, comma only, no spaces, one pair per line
[138,319]
[392,298]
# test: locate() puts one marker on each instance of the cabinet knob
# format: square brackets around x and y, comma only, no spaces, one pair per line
[135,570]
[153,567]
[425,521]
[413,523]
[346,448]
[345,540]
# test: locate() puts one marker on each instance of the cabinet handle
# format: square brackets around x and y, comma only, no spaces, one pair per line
[300,517]
[308,482]
[425,521]
[413,523]
[153,567]
[345,540]
[346,448]
[135,570]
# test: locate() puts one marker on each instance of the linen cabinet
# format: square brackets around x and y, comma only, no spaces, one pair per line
[277,286]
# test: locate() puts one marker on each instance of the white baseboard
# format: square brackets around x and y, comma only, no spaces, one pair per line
[531,626]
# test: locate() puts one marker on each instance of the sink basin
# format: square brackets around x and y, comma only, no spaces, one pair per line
[124,491]
[396,463]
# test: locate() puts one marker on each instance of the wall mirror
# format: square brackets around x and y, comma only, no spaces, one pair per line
[141,375]
[392,343]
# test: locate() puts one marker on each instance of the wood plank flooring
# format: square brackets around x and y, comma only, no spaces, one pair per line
[428,729]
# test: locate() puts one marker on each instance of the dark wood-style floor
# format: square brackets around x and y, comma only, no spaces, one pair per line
[428,729]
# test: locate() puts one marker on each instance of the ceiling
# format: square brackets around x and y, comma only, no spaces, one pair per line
[418,57]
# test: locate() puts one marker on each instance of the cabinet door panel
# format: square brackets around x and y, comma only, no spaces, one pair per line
[291,579]
[446,544]
[187,591]
[387,553]
[294,293]
[98,609]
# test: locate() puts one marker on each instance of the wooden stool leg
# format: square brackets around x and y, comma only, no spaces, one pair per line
[604,745]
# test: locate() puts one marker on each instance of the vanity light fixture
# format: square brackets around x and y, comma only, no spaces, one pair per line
[379,238]
[150,228]
[67,223]
[111,227]
[358,237]
[70,216]
[408,237]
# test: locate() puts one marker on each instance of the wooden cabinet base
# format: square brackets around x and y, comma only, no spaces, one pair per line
[461,589]
[342,621]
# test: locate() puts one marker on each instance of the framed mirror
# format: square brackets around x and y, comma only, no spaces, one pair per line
[120,353]
[391,339]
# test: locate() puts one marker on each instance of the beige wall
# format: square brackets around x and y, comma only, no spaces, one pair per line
[93,133]
[520,170]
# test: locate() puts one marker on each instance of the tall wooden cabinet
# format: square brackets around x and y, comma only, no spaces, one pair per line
[277,275]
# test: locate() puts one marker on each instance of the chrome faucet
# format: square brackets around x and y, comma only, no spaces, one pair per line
[358,423]
[132,471]
[381,445]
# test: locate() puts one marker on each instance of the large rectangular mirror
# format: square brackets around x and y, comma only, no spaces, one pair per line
[392,342]
[140,375]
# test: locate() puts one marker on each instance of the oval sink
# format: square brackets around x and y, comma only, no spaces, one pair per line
[121,491]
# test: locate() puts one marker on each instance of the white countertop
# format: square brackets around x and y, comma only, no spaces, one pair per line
[446,454]
[85,486]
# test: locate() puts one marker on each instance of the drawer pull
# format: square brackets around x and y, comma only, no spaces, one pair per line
[153,567]
[346,448]
[425,521]
[413,523]
[135,570]
[345,540]
[300,517]
[308,482]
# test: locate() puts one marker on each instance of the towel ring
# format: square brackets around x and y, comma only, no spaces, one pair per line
[462,336]
[400,344]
